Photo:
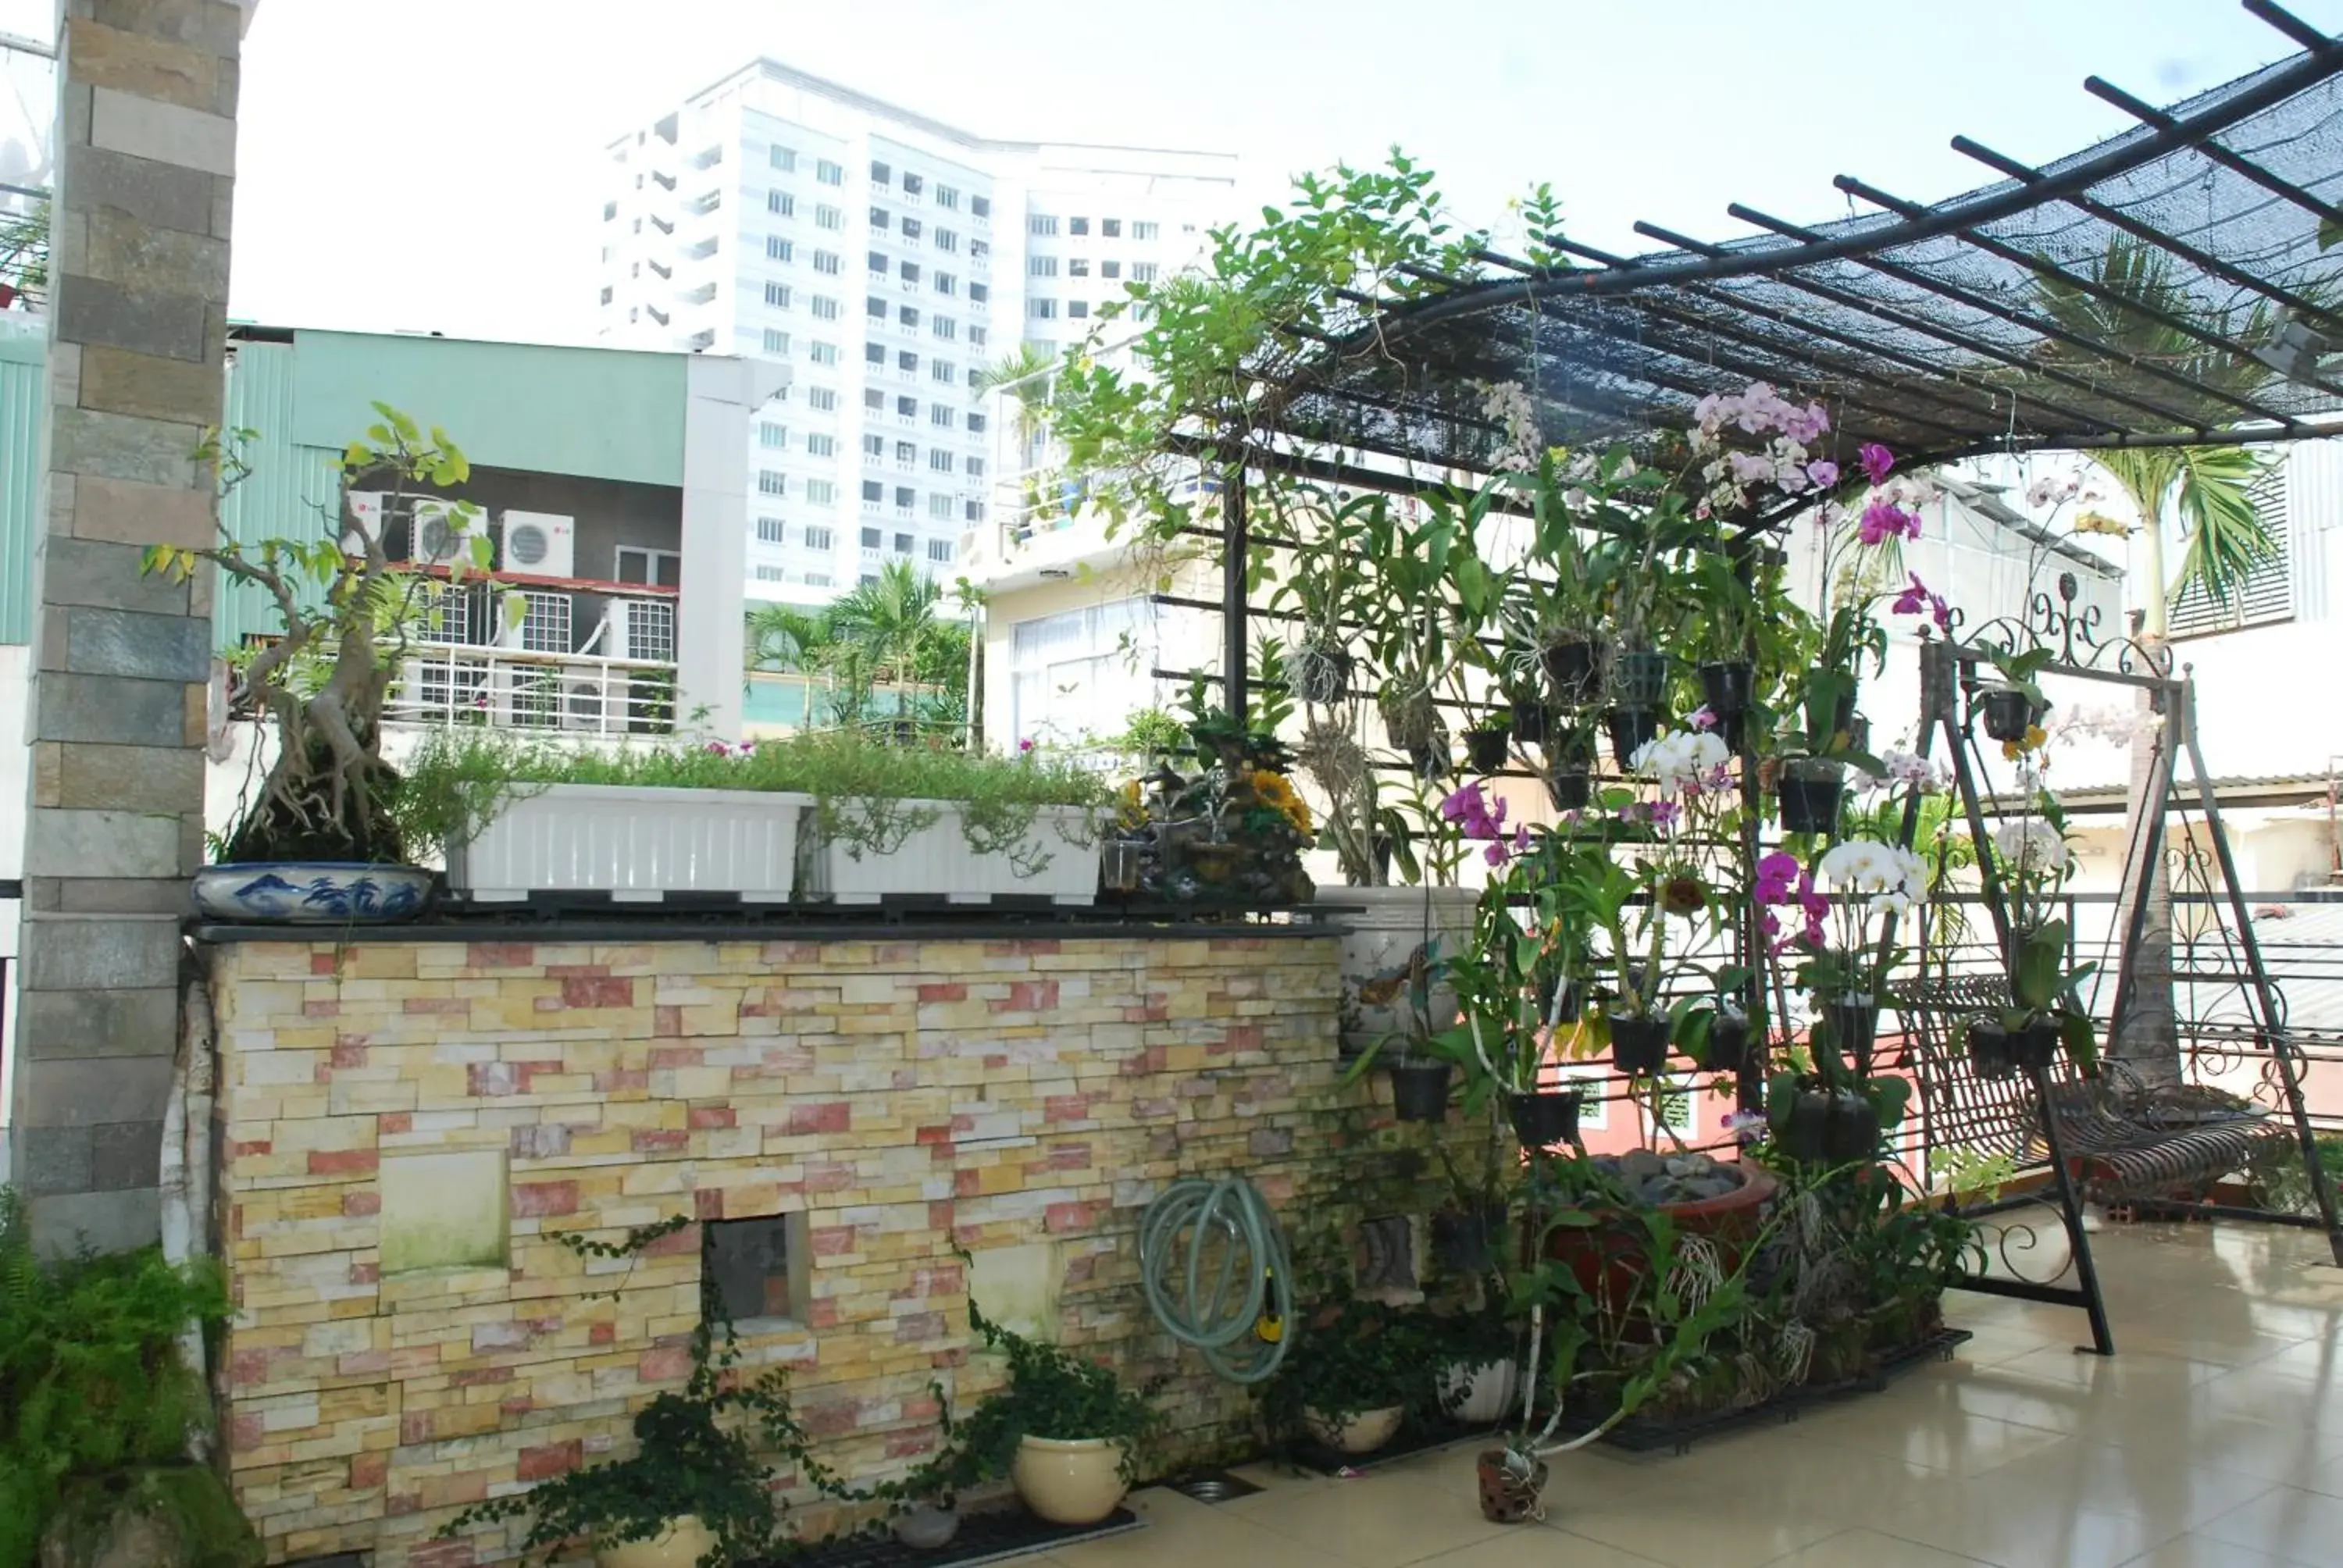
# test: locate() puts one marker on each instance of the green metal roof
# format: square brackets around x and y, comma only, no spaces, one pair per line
[24,358]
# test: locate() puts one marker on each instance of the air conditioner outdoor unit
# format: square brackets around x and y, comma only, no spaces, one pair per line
[437,690]
[538,622]
[443,535]
[640,629]
[365,514]
[586,693]
[540,544]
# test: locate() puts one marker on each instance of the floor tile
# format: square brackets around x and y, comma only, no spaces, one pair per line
[1684,1531]
[2167,1487]
[1376,1521]
[1535,1546]
[2285,1522]
[1870,1549]
[2194,1551]
[1938,1439]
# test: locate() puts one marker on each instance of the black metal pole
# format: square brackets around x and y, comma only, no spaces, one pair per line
[1235,546]
[2070,1210]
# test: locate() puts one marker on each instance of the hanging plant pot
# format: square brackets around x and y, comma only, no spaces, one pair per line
[1632,729]
[1532,722]
[1640,680]
[1840,716]
[1541,1120]
[2006,712]
[1725,686]
[1810,793]
[1568,1008]
[1419,1090]
[1806,1135]
[1854,1029]
[2036,1047]
[1430,757]
[1989,1050]
[1508,1494]
[1466,1240]
[1409,718]
[1728,1042]
[1574,669]
[1321,671]
[1852,1128]
[1570,791]
[1639,1046]
[1485,750]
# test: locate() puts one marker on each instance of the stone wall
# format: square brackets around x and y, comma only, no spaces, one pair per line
[1023,1100]
[147,156]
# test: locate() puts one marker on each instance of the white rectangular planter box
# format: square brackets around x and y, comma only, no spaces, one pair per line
[635,843]
[937,860]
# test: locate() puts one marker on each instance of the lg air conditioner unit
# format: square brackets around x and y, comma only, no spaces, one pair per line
[642,630]
[540,544]
[443,533]
[588,692]
[366,518]
[534,621]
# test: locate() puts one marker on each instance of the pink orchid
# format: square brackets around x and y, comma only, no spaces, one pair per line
[1877,461]
[1917,600]
[1882,520]
[1823,473]
[1702,721]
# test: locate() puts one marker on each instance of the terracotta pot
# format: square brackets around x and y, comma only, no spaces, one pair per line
[684,1543]
[1507,1498]
[1076,1481]
[1363,1433]
[1608,1258]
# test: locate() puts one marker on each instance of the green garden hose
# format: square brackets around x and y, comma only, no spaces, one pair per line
[1239,1330]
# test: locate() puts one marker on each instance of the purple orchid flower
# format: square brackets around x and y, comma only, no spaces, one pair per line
[1877,461]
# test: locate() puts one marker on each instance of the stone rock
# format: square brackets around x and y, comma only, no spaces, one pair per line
[1640,1163]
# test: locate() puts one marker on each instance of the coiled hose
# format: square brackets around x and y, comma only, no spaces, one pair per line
[1240,1330]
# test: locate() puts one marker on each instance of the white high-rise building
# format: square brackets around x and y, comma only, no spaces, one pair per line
[890,259]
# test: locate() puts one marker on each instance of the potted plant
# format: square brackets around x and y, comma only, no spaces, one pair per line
[2034,863]
[322,839]
[1356,1369]
[1064,1428]
[1323,579]
[2012,706]
[1487,745]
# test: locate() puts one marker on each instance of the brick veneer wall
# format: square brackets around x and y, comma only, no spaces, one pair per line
[905,1095]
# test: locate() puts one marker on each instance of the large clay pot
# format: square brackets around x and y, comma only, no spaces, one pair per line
[1608,1258]
[1363,1433]
[683,1543]
[1377,947]
[1076,1481]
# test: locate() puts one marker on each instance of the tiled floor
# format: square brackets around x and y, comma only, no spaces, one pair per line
[2214,1440]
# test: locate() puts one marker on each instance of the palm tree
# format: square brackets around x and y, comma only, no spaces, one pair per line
[785,637]
[1024,374]
[2207,491]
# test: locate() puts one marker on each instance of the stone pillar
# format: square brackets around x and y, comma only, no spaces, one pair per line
[146,158]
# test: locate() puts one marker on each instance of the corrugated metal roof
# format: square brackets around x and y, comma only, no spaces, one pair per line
[292,491]
[24,393]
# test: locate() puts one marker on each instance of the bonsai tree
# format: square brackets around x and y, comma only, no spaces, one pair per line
[348,612]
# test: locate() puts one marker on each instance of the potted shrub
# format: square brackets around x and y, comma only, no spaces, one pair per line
[1487,746]
[1064,1428]
[1355,1371]
[322,840]
[2013,706]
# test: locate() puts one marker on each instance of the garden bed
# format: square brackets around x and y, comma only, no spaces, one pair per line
[984,1537]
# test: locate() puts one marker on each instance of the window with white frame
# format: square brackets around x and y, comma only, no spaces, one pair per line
[946,283]
[1143,272]
[1143,230]
[769,434]
[947,198]
[874,445]
[780,249]
[828,216]
[827,173]
[785,159]
[1084,669]
[1042,266]
[945,239]
[939,460]
[826,262]
[1078,266]
[820,493]
[1593,1110]
[976,336]
[771,575]
[780,204]
[823,399]
[1042,309]
[944,326]
[939,508]
[943,371]
[818,537]
[1040,226]
[819,446]
[777,294]
[824,353]
[769,531]
[639,564]
[824,309]
[777,342]
[817,579]
[939,414]
[771,482]
[941,551]
[979,208]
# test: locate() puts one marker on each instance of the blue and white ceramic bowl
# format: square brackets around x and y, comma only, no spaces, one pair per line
[310,893]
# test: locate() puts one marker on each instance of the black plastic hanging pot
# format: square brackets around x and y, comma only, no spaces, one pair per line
[1854,1029]
[1639,1046]
[1852,1130]
[1321,671]
[1485,750]
[2007,713]
[1725,686]
[1989,1050]
[1575,671]
[1805,1132]
[1810,790]
[1532,722]
[1570,791]
[1430,757]
[1466,1240]
[1728,1042]
[2036,1045]
[1541,1120]
[1640,680]
[1632,729]
[1419,1090]
[1568,1009]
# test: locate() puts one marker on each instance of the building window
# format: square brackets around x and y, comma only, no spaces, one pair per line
[906,496]
[976,468]
[756,1270]
[939,460]
[907,362]
[780,249]
[907,453]
[944,370]
[824,309]
[770,483]
[976,253]
[777,342]
[878,263]
[972,510]
[1078,266]
[653,568]
[610,210]
[874,399]
[911,272]
[1078,225]
[1040,226]
[1042,266]
[909,316]
[824,398]
[771,575]
[1078,309]
[874,445]
[879,172]
[946,283]
[828,218]
[782,204]
[976,424]
[1143,272]
[912,231]
[785,159]
[942,417]
[1142,231]
[606,295]
[876,493]
[976,337]
[979,208]
[819,446]
[1109,228]
[874,354]
[769,531]
[912,184]
[881,217]
[820,493]
[827,173]
[1042,309]
[817,579]
[939,508]
[826,262]
[769,434]
[978,293]
[818,537]
[777,294]
[874,307]
[1072,672]
[1109,270]
[946,240]
[908,408]
[946,197]
[902,541]
[824,353]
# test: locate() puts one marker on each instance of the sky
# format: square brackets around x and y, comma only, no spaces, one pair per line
[430,164]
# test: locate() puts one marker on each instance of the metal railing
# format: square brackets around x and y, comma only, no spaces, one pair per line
[510,689]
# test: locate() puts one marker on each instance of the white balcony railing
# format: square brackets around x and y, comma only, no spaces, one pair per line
[510,689]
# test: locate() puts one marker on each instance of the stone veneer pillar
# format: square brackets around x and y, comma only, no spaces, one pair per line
[147,156]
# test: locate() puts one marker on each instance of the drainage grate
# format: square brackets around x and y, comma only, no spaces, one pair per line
[1213,1486]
